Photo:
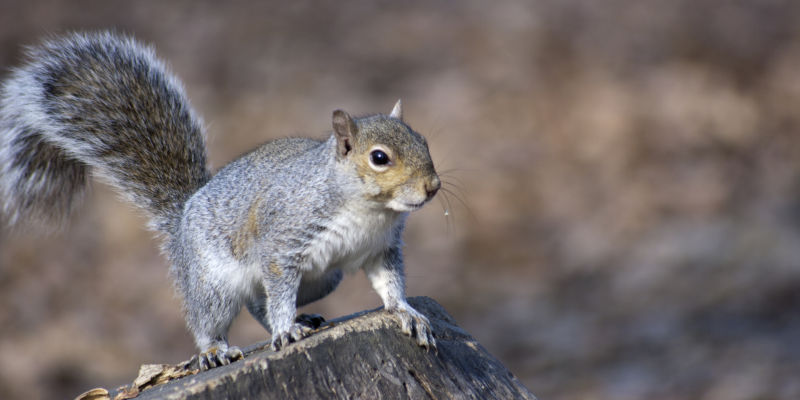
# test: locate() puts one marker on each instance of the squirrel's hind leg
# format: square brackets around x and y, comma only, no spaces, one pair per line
[257,306]
[210,311]
[313,289]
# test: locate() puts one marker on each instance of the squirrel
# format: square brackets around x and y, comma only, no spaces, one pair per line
[271,231]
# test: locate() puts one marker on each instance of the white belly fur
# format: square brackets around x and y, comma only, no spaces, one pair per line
[354,239]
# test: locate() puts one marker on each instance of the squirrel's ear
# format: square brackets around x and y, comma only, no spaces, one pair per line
[397,111]
[345,130]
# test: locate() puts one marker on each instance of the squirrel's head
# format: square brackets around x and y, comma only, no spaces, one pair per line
[391,159]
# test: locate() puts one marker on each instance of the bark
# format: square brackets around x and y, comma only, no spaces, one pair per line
[361,356]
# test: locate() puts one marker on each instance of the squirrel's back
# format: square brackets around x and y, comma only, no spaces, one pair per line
[102,102]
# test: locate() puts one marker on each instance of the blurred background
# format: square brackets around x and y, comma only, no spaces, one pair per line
[624,214]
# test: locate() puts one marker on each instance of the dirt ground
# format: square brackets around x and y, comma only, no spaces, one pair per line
[623,220]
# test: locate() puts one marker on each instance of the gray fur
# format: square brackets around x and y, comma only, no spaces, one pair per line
[100,102]
[271,231]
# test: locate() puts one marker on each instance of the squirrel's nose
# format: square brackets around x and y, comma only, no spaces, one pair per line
[432,186]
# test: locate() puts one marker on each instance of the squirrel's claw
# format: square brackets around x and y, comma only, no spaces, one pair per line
[312,321]
[414,324]
[297,331]
[215,357]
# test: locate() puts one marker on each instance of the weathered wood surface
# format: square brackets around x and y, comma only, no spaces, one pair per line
[362,356]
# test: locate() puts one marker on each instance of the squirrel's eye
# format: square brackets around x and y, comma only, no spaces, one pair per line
[378,157]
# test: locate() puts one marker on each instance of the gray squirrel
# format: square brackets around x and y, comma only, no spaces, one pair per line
[270,231]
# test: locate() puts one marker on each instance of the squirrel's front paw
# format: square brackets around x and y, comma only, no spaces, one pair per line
[296,332]
[216,357]
[416,325]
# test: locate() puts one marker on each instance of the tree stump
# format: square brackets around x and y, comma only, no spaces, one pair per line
[361,356]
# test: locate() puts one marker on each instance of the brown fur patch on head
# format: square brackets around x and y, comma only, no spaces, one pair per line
[246,235]
[407,150]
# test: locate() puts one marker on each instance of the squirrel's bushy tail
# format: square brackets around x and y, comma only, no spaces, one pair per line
[101,102]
